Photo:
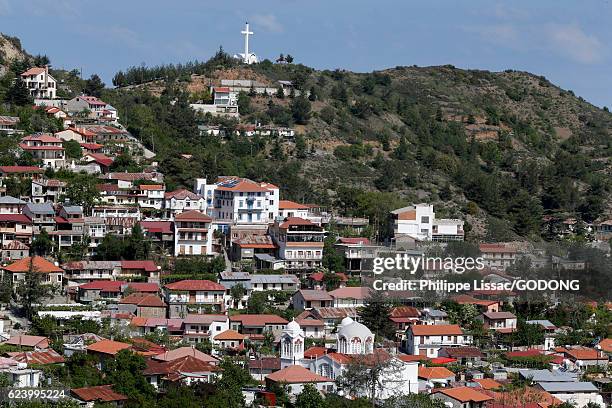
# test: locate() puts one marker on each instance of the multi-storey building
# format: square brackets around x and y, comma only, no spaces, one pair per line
[151,196]
[419,222]
[40,83]
[193,296]
[42,216]
[45,148]
[47,190]
[234,200]
[178,201]
[300,243]
[197,328]
[498,256]
[11,205]
[192,234]
[358,254]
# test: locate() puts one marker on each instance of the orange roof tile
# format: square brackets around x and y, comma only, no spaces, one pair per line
[464,394]
[229,335]
[38,264]
[296,374]
[436,330]
[108,347]
[488,383]
[430,373]
[291,205]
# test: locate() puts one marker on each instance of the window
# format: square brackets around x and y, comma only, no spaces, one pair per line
[425,220]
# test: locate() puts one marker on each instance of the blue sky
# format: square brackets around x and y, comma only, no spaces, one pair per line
[569,42]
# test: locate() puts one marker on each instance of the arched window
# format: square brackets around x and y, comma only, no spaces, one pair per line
[369,346]
[356,345]
[342,345]
[287,349]
[325,370]
[297,347]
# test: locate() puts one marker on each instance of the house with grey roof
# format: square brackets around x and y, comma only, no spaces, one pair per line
[11,205]
[42,216]
[577,393]
[306,299]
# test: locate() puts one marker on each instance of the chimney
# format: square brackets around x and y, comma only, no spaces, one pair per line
[46,75]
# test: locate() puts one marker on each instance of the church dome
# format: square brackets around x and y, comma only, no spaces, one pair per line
[346,321]
[293,326]
[354,329]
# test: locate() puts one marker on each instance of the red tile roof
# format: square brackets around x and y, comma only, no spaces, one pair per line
[606,345]
[42,357]
[358,293]
[230,335]
[147,266]
[318,276]
[102,393]
[355,241]
[524,353]
[28,341]
[21,169]
[100,158]
[489,383]
[296,374]
[430,373]
[192,215]
[110,347]
[314,352]
[143,300]
[33,71]
[291,205]
[165,227]
[464,394]
[182,194]
[103,285]
[44,138]
[181,352]
[183,365]
[291,221]
[436,330]
[15,218]
[192,285]
[37,263]
[258,320]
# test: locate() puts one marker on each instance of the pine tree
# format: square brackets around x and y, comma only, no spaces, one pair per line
[375,315]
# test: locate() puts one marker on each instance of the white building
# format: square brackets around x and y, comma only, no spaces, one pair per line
[300,243]
[288,209]
[427,340]
[419,222]
[192,234]
[40,83]
[177,201]
[234,200]
[45,148]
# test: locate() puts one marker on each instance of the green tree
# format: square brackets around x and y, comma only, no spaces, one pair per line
[310,397]
[300,110]
[413,401]
[32,290]
[73,149]
[137,247]
[125,372]
[18,94]
[237,292]
[376,314]
[244,103]
[94,86]
[42,245]
[83,190]
[332,260]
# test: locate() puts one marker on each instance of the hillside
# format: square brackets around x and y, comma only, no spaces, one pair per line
[487,146]
[500,149]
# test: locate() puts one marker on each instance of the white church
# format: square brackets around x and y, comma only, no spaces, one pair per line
[353,339]
[247,57]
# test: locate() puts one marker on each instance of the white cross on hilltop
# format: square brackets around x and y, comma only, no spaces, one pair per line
[248,57]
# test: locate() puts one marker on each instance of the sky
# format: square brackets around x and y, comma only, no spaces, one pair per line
[567,41]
